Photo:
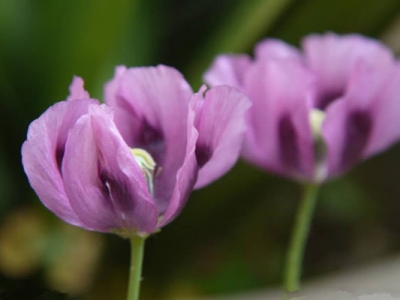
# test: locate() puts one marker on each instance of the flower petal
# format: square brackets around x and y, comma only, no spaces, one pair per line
[386,112]
[333,58]
[220,120]
[362,123]
[43,152]
[102,180]
[128,186]
[228,69]
[77,90]
[279,136]
[275,49]
[350,121]
[185,177]
[151,113]
[333,131]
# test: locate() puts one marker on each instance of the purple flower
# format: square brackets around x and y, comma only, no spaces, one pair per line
[129,166]
[318,111]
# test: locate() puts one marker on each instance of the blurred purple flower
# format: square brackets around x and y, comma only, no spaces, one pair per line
[317,112]
[129,166]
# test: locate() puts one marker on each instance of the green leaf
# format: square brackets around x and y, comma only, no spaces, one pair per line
[243,26]
[342,16]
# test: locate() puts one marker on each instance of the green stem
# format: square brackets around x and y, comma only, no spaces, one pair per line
[135,273]
[299,237]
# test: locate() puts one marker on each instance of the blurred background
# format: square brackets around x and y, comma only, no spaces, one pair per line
[232,235]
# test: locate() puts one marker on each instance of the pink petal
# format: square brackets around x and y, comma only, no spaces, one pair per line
[333,58]
[279,136]
[43,151]
[130,193]
[77,90]
[355,125]
[228,69]
[151,106]
[220,120]
[185,177]
[275,49]
[334,129]
[386,112]
[102,180]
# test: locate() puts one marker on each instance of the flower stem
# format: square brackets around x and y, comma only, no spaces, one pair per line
[135,273]
[299,237]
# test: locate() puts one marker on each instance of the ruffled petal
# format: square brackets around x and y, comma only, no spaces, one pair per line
[279,135]
[127,119]
[229,70]
[102,180]
[186,175]
[43,152]
[333,58]
[386,112]
[333,131]
[351,79]
[77,90]
[354,124]
[220,121]
[128,187]
[275,49]
[151,113]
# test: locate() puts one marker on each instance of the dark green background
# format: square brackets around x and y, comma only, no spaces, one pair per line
[233,234]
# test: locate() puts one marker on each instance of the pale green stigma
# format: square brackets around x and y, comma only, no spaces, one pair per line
[317,118]
[146,164]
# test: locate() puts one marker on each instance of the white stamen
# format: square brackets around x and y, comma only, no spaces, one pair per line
[146,164]
[316,119]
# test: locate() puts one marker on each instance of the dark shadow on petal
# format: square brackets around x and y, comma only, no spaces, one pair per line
[148,137]
[106,187]
[326,98]
[203,155]
[289,152]
[358,129]
[151,139]
[117,193]
[59,158]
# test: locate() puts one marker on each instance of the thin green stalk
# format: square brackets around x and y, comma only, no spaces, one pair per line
[299,237]
[135,273]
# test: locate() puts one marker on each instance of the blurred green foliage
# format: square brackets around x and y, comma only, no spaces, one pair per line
[232,235]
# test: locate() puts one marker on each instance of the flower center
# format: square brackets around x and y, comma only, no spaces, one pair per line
[147,165]
[316,119]
[326,98]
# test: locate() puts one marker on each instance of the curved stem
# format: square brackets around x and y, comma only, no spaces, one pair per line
[135,273]
[299,237]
